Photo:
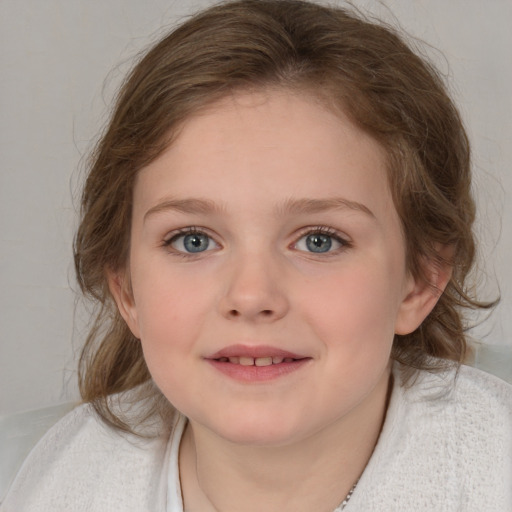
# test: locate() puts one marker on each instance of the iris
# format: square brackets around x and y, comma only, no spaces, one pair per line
[196,242]
[317,242]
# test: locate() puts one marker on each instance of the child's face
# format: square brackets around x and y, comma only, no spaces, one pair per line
[267,230]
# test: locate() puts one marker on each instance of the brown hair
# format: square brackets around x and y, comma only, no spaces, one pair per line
[363,68]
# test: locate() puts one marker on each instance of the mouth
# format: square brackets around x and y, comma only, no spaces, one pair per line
[258,363]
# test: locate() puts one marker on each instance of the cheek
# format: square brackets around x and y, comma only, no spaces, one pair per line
[356,307]
[170,320]
[171,309]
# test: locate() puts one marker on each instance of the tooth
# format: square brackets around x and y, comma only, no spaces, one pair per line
[263,361]
[277,359]
[246,361]
[234,360]
[288,359]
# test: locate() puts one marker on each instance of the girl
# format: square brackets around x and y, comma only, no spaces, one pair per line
[276,227]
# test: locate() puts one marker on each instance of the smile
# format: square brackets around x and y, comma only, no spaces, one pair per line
[253,364]
[256,361]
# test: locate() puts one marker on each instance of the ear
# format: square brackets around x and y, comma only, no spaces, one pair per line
[121,290]
[422,294]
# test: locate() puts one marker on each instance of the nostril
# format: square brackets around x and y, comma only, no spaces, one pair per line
[265,312]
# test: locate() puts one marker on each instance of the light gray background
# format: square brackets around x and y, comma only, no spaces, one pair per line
[54,57]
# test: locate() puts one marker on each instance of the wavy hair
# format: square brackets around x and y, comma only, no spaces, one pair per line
[363,68]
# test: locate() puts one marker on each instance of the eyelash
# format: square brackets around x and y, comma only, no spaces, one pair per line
[193,230]
[175,235]
[307,231]
[327,231]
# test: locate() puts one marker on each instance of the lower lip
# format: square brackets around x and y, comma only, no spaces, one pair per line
[258,373]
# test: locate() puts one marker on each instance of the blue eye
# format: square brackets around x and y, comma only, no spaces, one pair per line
[319,242]
[191,242]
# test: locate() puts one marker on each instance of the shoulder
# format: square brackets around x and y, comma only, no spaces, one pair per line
[460,422]
[469,407]
[446,445]
[83,464]
[484,387]
[471,410]
[460,391]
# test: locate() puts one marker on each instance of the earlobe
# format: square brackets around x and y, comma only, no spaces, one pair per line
[421,296]
[121,291]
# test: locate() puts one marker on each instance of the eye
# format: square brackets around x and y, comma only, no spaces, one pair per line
[320,241]
[191,242]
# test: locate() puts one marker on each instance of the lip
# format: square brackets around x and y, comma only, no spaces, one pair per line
[254,351]
[256,374]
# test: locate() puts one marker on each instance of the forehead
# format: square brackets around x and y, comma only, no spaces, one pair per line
[264,146]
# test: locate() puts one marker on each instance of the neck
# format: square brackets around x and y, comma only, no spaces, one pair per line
[314,474]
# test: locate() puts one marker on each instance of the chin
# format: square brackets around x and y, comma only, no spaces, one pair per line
[265,432]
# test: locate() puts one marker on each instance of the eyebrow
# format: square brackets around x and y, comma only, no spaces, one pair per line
[297,206]
[198,206]
[192,206]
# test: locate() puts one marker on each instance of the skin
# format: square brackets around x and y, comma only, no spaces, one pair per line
[240,173]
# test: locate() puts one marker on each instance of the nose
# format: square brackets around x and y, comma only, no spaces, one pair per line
[254,290]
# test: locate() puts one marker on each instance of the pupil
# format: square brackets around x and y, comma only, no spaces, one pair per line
[196,242]
[318,243]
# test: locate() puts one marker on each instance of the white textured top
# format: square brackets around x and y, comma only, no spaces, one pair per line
[446,446]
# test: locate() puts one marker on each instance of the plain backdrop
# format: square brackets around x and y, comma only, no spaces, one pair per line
[60,63]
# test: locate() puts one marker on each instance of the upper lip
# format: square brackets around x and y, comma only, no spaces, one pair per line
[254,352]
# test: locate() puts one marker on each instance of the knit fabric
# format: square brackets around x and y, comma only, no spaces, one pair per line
[446,446]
